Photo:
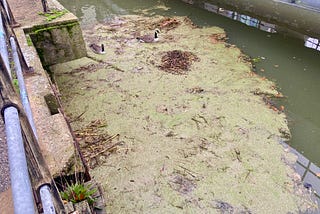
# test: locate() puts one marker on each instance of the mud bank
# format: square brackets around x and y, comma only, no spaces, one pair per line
[194,139]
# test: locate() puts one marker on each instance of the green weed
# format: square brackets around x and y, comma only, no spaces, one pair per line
[78,192]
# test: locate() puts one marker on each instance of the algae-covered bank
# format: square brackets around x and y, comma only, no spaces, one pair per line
[180,125]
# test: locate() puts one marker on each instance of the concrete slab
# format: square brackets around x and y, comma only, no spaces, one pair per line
[26,11]
[315,169]
[301,158]
[299,169]
[314,181]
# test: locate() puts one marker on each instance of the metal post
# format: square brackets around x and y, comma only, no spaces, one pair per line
[22,86]
[46,199]
[3,47]
[20,182]
[45,6]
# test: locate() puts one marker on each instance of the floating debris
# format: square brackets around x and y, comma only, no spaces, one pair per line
[195,90]
[223,207]
[96,143]
[217,38]
[169,23]
[177,62]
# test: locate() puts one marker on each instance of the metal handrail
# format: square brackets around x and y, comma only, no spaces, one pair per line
[3,47]
[22,87]
[45,194]
[9,14]
[22,194]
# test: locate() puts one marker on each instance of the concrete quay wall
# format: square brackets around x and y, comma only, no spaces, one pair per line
[45,42]
[302,18]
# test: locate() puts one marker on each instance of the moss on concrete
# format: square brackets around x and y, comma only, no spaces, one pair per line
[203,142]
[53,14]
[42,28]
[58,43]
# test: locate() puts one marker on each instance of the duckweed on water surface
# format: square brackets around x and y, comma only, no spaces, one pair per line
[199,142]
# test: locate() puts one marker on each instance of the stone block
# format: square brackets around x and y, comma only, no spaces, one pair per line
[57,43]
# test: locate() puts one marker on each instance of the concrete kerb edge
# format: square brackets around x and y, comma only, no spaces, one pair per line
[40,73]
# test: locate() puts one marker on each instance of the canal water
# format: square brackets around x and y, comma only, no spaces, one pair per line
[284,59]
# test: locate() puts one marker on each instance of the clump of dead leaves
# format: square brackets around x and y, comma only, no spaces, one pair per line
[170,23]
[177,62]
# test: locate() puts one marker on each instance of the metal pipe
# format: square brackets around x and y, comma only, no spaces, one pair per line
[20,182]
[3,47]
[5,4]
[46,199]
[45,194]
[22,86]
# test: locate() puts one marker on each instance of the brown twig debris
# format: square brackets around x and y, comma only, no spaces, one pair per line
[95,142]
[177,62]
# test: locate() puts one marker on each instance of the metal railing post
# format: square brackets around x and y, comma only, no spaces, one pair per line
[45,6]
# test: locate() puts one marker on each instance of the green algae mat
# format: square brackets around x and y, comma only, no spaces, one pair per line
[180,125]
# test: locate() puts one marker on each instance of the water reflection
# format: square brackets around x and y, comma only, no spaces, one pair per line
[245,19]
[90,13]
[253,22]
[312,43]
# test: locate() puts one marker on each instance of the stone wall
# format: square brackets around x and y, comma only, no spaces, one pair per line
[295,17]
[58,42]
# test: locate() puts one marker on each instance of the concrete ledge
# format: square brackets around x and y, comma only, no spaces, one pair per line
[54,137]
[61,42]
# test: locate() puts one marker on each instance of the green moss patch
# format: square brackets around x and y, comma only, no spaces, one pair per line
[53,14]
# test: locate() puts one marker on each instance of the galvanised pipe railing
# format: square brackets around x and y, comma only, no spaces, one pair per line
[22,87]
[5,5]
[45,194]
[20,181]
[46,200]
[9,16]
[3,47]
